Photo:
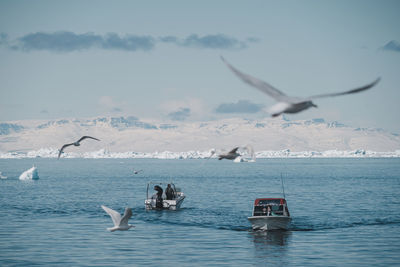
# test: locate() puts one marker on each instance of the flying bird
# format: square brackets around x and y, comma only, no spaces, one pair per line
[120,223]
[230,155]
[288,104]
[77,143]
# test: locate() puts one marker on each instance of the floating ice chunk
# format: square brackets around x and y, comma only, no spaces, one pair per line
[2,176]
[31,174]
[238,159]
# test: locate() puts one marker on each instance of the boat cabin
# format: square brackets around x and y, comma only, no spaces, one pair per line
[270,207]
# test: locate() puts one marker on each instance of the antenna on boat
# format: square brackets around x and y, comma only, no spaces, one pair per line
[283,187]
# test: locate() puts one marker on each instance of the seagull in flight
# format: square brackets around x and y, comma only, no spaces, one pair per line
[288,104]
[77,143]
[230,155]
[120,223]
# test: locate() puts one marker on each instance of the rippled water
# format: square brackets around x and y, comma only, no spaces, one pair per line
[345,212]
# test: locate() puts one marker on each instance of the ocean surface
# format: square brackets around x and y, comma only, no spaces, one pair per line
[345,212]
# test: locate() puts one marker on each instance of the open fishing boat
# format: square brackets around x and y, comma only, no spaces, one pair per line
[270,214]
[169,199]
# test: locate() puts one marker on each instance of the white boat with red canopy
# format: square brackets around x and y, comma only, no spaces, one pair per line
[270,214]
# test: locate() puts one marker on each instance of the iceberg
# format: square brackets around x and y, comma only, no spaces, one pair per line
[238,159]
[31,174]
[2,176]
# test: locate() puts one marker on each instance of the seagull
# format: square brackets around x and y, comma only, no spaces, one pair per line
[136,172]
[230,155]
[119,223]
[77,143]
[288,104]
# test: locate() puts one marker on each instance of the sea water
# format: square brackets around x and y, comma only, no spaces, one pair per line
[344,212]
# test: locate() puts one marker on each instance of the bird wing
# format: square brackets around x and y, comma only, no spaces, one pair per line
[84,137]
[115,216]
[260,85]
[356,90]
[62,149]
[250,150]
[233,150]
[127,215]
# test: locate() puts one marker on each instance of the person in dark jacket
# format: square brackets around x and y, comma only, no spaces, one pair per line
[159,200]
[169,192]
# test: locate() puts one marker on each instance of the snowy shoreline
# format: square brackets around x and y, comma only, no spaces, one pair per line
[286,153]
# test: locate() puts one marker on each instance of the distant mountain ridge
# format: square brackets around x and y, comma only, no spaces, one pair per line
[122,134]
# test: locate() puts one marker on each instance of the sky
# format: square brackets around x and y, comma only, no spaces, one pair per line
[161,59]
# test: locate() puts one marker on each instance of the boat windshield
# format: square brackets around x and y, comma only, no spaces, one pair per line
[269,202]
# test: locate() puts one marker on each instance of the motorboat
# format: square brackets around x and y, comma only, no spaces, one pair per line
[270,214]
[169,198]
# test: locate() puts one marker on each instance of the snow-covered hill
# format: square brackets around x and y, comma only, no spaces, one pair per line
[127,134]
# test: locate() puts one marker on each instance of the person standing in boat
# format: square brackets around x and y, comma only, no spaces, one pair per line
[270,212]
[159,200]
[169,192]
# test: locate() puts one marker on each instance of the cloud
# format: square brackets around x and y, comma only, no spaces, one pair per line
[242,106]
[65,41]
[3,38]
[253,40]
[392,46]
[198,109]
[211,41]
[116,109]
[109,104]
[180,115]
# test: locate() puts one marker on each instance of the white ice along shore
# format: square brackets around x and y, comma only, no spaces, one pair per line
[276,137]
[105,154]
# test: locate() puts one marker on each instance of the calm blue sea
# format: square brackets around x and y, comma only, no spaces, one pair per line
[346,212]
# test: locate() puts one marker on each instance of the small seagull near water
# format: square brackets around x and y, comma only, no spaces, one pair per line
[120,223]
[288,104]
[77,143]
[230,155]
[2,176]
[136,171]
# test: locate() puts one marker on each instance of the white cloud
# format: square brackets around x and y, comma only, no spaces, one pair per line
[110,105]
[199,110]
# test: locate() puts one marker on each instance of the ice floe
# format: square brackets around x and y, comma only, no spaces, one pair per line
[31,174]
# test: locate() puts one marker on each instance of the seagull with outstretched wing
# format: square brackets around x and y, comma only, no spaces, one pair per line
[231,155]
[288,104]
[120,223]
[77,143]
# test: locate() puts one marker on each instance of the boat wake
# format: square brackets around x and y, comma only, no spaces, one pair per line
[342,225]
[192,217]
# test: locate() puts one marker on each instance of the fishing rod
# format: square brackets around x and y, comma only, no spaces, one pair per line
[283,187]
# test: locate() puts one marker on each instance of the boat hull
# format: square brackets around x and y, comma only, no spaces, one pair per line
[175,204]
[269,222]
